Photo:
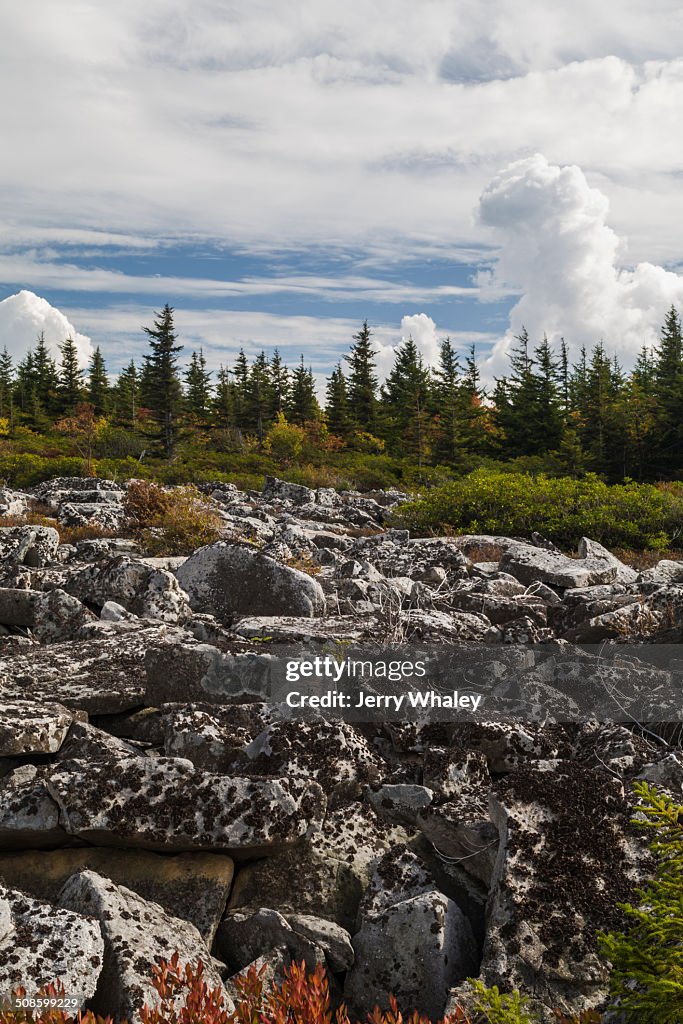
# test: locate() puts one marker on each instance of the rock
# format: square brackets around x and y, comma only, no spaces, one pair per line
[100,676]
[114,612]
[415,945]
[137,935]
[33,546]
[211,737]
[106,515]
[27,727]
[59,616]
[400,802]
[40,943]
[142,590]
[288,629]
[567,857]
[245,937]
[590,549]
[181,670]
[334,941]
[231,580]
[280,490]
[13,503]
[530,565]
[167,804]
[326,874]
[29,817]
[191,886]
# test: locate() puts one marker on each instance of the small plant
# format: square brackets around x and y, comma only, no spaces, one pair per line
[496,1007]
[304,563]
[46,1014]
[647,959]
[171,522]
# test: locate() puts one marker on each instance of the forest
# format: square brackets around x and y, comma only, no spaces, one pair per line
[423,425]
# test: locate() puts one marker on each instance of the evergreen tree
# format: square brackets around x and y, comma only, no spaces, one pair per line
[162,389]
[6,386]
[549,399]
[668,392]
[44,374]
[224,400]
[478,429]
[406,394]
[70,389]
[198,387]
[126,395]
[337,403]
[258,400]
[98,384]
[448,400]
[279,386]
[303,404]
[241,385]
[362,380]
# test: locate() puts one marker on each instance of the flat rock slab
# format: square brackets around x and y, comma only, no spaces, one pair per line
[42,943]
[29,817]
[137,935]
[102,676]
[231,580]
[167,804]
[287,628]
[27,727]
[181,669]
[530,564]
[192,886]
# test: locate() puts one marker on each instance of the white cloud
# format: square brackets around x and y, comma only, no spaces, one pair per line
[558,250]
[25,315]
[340,123]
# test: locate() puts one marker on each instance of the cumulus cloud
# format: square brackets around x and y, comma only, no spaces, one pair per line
[24,315]
[559,253]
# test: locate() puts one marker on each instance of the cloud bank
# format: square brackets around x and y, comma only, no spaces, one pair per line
[24,315]
[558,251]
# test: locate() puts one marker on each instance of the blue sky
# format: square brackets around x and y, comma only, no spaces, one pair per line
[279,175]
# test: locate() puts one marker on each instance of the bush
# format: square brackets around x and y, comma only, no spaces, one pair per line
[171,522]
[647,959]
[562,509]
[285,441]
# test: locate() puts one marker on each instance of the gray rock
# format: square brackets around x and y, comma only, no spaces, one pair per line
[42,943]
[59,616]
[416,948]
[33,546]
[168,804]
[182,670]
[530,565]
[143,590]
[244,937]
[287,628]
[29,817]
[231,580]
[280,490]
[591,549]
[27,727]
[137,935]
[211,737]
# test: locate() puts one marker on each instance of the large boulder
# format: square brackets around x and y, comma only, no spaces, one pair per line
[145,590]
[27,727]
[232,580]
[414,942]
[34,546]
[167,804]
[137,935]
[40,943]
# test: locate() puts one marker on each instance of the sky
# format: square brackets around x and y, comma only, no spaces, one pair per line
[280,174]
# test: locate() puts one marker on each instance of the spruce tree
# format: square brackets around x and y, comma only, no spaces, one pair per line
[668,392]
[45,376]
[258,400]
[223,406]
[406,395]
[362,380]
[303,405]
[98,384]
[198,387]
[162,389]
[126,395]
[279,386]
[6,386]
[448,400]
[337,403]
[241,384]
[70,390]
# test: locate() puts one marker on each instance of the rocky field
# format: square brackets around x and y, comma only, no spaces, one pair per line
[153,800]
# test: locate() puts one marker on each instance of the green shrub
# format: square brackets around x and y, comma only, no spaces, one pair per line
[647,959]
[563,509]
[171,522]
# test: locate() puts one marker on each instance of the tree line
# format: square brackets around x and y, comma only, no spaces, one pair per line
[586,415]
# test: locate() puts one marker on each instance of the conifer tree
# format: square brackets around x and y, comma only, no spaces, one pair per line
[406,394]
[279,386]
[162,393]
[258,400]
[223,406]
[98,384]
[447,400]
[198,387]
[668,392]
[70,389]
[362,380]
[126,395]
[6,386]
[45,376]
[303,404]
[241,384]
[337,403]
